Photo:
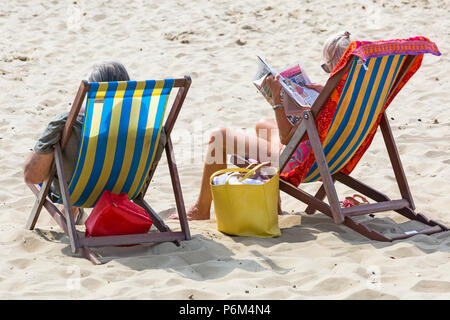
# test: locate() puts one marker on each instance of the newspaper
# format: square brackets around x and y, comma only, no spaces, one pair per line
[292,79]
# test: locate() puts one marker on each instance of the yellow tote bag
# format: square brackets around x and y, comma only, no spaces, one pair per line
[247,209]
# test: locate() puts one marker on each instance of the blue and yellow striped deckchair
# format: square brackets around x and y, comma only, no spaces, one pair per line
[122,138]
[367,78]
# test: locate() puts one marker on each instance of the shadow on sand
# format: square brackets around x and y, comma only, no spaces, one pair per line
[204,257]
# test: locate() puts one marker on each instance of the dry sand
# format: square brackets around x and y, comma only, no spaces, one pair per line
[47,47]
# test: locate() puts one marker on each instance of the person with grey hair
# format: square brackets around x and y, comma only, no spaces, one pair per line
[270,134]
[37,168]
[333,49]
[108,70]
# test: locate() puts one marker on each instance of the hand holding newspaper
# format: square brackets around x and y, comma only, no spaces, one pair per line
[293,80]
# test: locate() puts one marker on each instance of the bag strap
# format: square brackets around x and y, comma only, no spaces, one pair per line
[252,171]
[226,171]
[248,172]
[230,175]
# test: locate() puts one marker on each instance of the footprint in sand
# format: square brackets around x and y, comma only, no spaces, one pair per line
[20,263]
[99,17]
[368,294]
[333,286]
[92,283]
[432,286]
[403,252]
[433,154]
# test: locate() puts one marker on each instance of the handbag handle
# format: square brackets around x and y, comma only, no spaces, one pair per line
[230,175]
[248,172]
[252,171]
[225,171]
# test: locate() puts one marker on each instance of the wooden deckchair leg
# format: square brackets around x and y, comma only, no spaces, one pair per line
[328,184]
[51,208]
[72,233]
[157,221]
[61,221]
[40,200]
[320,194]
[92,257]
[305,197]
[360,187]
[379,197]
[177,189]
[177,104]
[395,160]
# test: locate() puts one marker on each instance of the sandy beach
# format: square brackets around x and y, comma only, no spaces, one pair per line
[47,48]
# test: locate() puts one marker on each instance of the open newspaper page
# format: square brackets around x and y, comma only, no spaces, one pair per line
[296,78]
[293,80]
[260,80]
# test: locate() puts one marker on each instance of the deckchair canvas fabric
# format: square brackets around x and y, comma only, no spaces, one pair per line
[362,100]
[120,134]
[415,65]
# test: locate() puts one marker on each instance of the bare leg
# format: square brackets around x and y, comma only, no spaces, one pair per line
[75,210]
[201,209]
[267,129]
[222,142]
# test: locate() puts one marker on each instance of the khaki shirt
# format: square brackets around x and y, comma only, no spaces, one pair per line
[51,136]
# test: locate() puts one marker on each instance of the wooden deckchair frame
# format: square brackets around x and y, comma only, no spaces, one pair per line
[77,239]
[404,206]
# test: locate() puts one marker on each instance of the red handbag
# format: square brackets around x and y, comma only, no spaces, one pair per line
[116,215]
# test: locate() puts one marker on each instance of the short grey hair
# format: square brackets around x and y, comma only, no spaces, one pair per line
[108,70]
[335,47]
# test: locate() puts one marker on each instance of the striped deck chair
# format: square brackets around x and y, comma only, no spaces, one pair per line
[340,126]
[122,128]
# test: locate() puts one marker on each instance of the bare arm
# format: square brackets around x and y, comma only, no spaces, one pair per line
[37,168]
[315,86]
[285,128]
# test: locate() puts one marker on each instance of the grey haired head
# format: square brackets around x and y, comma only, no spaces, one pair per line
[108,70]
[335,47]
